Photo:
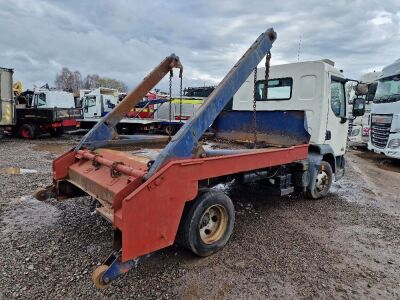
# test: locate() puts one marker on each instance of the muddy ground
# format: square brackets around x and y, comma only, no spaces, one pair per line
[344,246]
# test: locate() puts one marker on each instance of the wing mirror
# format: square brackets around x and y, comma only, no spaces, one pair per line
[361,89]
[358,107]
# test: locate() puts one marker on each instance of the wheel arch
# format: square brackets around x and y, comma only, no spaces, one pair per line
[326,153]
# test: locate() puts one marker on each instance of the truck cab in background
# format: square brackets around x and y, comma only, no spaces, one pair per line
[359,127]
[96,104]
[385,114]
[315,87]
[32,113]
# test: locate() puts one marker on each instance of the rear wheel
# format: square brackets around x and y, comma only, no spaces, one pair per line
[207,223]
[323,182]
[28,131]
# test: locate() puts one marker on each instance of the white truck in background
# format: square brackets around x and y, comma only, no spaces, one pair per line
[96,104]
[32,113]
[359,127]
[317,88]
[385,113]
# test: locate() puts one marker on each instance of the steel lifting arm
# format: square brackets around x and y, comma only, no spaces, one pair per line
[104,130]
[185,141]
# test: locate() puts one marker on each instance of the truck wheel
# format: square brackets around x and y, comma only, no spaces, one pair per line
[170,130]
[27,131]
[207,223]
[323,181]
[56,132]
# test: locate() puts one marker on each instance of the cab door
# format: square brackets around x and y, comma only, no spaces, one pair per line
[337,123]
[90,107]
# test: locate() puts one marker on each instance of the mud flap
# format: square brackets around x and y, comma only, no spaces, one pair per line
[314,165]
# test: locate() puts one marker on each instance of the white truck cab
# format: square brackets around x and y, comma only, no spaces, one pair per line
[52,99]
[99,102]
[359,127]
[315,87]
[385,114]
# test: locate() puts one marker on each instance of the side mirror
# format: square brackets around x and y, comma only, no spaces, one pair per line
[358,107]
[361,89]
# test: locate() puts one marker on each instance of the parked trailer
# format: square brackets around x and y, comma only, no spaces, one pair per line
[154,203]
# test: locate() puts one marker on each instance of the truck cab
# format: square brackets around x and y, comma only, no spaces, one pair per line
[99,102]
[315,87]
[359,127]
[385,114]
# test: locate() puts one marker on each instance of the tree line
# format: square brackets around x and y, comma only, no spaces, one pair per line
[72,81]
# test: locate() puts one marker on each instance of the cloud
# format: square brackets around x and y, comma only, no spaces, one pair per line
[126,39]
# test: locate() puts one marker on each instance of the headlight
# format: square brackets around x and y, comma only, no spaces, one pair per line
[355,132]
[393,144]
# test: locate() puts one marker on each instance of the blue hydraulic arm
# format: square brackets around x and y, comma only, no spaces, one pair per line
[185,141]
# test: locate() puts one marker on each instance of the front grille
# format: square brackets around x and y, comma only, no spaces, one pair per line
[380,129]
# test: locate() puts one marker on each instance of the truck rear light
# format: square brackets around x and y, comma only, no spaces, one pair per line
[55,125]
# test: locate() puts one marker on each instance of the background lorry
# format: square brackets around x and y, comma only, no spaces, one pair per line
[154,202]
[385,113]
[96,104]
[32,113]
[359,127]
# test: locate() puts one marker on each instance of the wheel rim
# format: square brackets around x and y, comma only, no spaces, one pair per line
[213,224]
[322,181]
[25,133]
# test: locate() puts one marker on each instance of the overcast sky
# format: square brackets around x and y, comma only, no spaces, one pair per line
[125,39]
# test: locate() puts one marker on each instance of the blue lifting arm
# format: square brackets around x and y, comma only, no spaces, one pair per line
[185,141]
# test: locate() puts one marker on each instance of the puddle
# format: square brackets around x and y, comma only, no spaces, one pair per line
[16,170]
[53,148]
[29,214]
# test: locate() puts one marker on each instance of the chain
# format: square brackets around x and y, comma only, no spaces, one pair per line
[171,74]
[255,108]
[267,65]
[180,97]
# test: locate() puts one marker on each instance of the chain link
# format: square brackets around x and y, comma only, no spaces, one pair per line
[171,74]
[265,96]
[267,66]
[255,108]
[180,97]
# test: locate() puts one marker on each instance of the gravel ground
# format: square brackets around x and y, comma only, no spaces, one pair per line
[344,246]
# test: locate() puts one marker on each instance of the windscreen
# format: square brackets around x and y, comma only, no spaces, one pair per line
[388,90]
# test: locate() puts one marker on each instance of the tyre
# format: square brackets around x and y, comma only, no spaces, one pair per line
[56,132]
[28,131]
[170,130]
[207,223]
[323,182]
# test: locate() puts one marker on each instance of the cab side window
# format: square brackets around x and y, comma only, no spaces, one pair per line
[338,98]
[41,99]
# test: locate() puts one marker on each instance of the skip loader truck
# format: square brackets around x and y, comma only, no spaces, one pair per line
[289,136]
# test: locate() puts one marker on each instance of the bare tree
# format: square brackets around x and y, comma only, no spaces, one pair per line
[64,80]
[112,84]
[70,81]
[90,81]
